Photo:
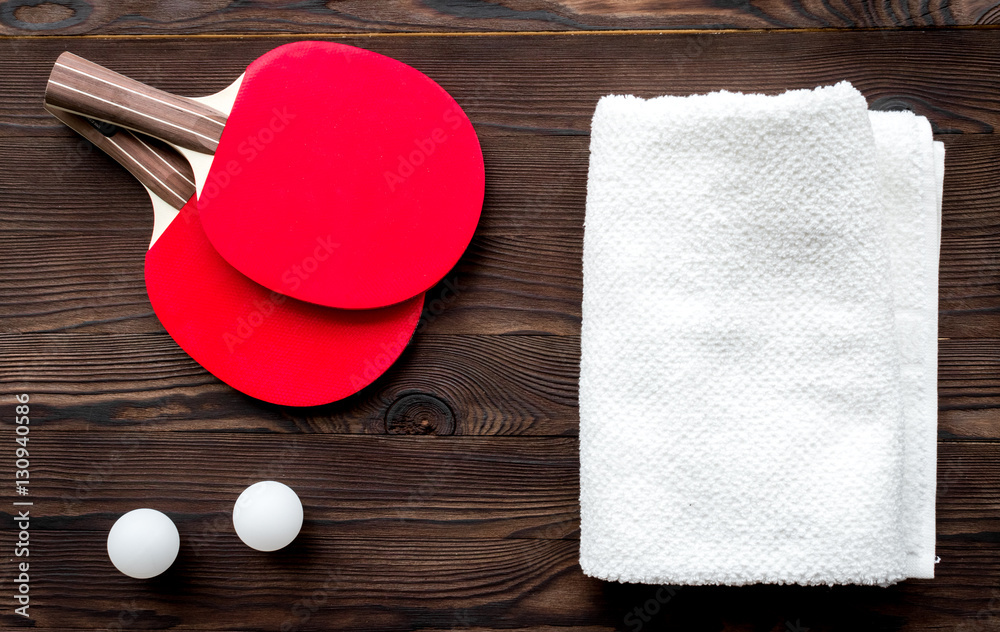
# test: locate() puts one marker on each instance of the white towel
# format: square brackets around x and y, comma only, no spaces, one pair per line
[747,413]
[912,166]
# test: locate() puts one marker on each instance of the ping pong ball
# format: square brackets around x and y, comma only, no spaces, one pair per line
[143,543]
[267,515]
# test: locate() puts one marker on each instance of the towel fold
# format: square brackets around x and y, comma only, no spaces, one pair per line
[912,167]
[757,387]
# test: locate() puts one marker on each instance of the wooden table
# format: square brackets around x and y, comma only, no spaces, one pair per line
[445,495]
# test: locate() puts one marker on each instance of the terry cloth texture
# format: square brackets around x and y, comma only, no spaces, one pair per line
[758,369]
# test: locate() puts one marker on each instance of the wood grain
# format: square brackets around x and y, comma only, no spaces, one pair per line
[551,83]
[95,283]
[74,230]
[969,277]
[82,87]
[421,488]
[487,385]
[493,385]
[969,389]
[378,584]
[433,537]
[155,165]
[476,527]
[215,16]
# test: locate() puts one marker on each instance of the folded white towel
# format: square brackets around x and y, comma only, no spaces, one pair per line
[742,387]
[912,166]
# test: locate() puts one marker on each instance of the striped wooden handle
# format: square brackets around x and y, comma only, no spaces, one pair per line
[83,87]
[155,164]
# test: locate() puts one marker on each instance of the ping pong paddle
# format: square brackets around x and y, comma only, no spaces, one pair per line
[326,172]
[262,343]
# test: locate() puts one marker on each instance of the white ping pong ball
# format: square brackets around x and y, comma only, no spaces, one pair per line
[143,543]
[267,515]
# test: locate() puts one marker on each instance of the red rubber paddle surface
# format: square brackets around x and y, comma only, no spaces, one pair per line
[262,343]
[343,178]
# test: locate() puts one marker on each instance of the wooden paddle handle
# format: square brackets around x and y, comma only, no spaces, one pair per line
[83,87]
[156,165]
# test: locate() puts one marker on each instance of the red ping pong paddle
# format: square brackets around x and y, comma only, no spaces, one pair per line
[262,343]
[329,173]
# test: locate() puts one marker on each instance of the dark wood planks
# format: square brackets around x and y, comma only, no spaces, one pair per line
[166,173]
[82,87]
[969,389]
[383,584]
[413,488]
[351,485]
[504,284]
[74,228]
[969,274]
[552,82]
[439,532]
[536,147]
[106,17]
[444,532]
[488,385]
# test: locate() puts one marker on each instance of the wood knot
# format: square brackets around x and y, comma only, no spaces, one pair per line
[891,104]
[419,414]
[44,15]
